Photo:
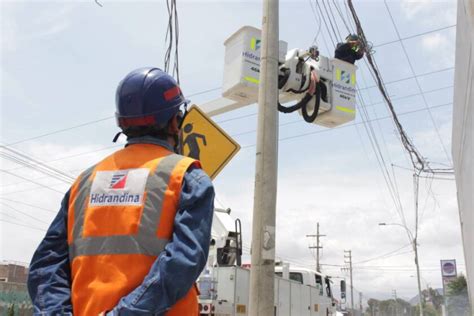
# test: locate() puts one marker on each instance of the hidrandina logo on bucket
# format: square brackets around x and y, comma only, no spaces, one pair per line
[117,188]
[255,43]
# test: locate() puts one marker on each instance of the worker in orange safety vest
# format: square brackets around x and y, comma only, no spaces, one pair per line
[133,231]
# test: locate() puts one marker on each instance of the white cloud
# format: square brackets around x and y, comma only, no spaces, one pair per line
[430,12]
[48,21]
[433,41]
[412,8]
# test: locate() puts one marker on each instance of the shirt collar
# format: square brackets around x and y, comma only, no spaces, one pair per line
[150,140]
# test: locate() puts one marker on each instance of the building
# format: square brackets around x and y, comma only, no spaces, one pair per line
[462,141]
[13,290]
[11,272]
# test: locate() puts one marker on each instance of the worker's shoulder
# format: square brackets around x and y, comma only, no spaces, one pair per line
[196,176]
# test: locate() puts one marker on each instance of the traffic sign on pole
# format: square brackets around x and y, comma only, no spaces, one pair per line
[205,141]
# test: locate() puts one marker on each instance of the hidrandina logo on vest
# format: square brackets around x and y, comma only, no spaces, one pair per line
[117,188]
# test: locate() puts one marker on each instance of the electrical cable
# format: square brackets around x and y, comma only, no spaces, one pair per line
[172,38]
[23,213]
[343,126]
[418,83]
[386,83]
[386,255]
[318,21]
[336,34]
[321,15]
[91,122]
[418,161]
[36,165]
[378,153]
[30,205]
[415,35]
[338,9]
[32,181]
[27,226]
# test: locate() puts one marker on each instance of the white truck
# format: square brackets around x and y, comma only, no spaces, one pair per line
[224,284]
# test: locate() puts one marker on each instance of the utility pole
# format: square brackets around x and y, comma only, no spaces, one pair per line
[350,271]
[317,247]
[360,303]
[420,291]
[394,292]
[266,170]
[414,242]
[416,182]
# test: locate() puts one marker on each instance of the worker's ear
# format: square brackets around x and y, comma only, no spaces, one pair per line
[174,125]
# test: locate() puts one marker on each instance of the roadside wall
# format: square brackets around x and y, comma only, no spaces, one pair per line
[462,141]
[16,295]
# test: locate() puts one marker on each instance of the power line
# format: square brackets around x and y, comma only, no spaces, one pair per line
[366,88]
[34,164]
[234,135]
[386,255]
[347,125]
[32,181]
[72,156]
[336,34]
[417,159]
[27,226]
[386,83]
[415,35]
[23,213]
[417,82]
[322,16]
[60,130]
[318,21]
[373,138]
[207,91]
[338,9]
[90,122]
[30,205]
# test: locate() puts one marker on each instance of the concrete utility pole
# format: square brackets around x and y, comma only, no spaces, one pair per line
[350,271]
[317,247]
[266,171]
[360,303]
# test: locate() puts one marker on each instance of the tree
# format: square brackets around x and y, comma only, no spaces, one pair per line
[435,298]
[373,306]
[457,301]
[390,307]
[11,310]
[458,286]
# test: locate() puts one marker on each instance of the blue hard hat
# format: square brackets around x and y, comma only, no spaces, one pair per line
[147,97]
[352,37]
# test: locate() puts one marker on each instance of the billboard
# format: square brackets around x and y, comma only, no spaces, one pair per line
[448,272]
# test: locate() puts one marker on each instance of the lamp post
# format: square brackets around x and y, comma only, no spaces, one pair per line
[415,249]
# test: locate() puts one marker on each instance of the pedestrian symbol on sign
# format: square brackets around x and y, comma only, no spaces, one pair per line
[191,141]
[205,141]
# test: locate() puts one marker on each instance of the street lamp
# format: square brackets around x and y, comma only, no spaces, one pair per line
[415,249]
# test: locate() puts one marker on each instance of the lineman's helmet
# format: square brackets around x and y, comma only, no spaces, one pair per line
[147,97]
[352,37]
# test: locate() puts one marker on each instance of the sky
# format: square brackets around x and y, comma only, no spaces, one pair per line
[61,63]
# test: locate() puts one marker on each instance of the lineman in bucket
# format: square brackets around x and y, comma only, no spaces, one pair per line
[133,231]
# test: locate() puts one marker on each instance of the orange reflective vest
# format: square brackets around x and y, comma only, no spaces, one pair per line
[120,218]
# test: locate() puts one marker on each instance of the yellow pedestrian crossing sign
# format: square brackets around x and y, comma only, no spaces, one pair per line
[205,141]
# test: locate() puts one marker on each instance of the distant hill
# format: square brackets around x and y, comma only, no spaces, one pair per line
[414,301]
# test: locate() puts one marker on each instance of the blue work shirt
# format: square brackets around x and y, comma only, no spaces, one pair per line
[170,277]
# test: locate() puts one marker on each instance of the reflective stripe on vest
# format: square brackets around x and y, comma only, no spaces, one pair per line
[145,241]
